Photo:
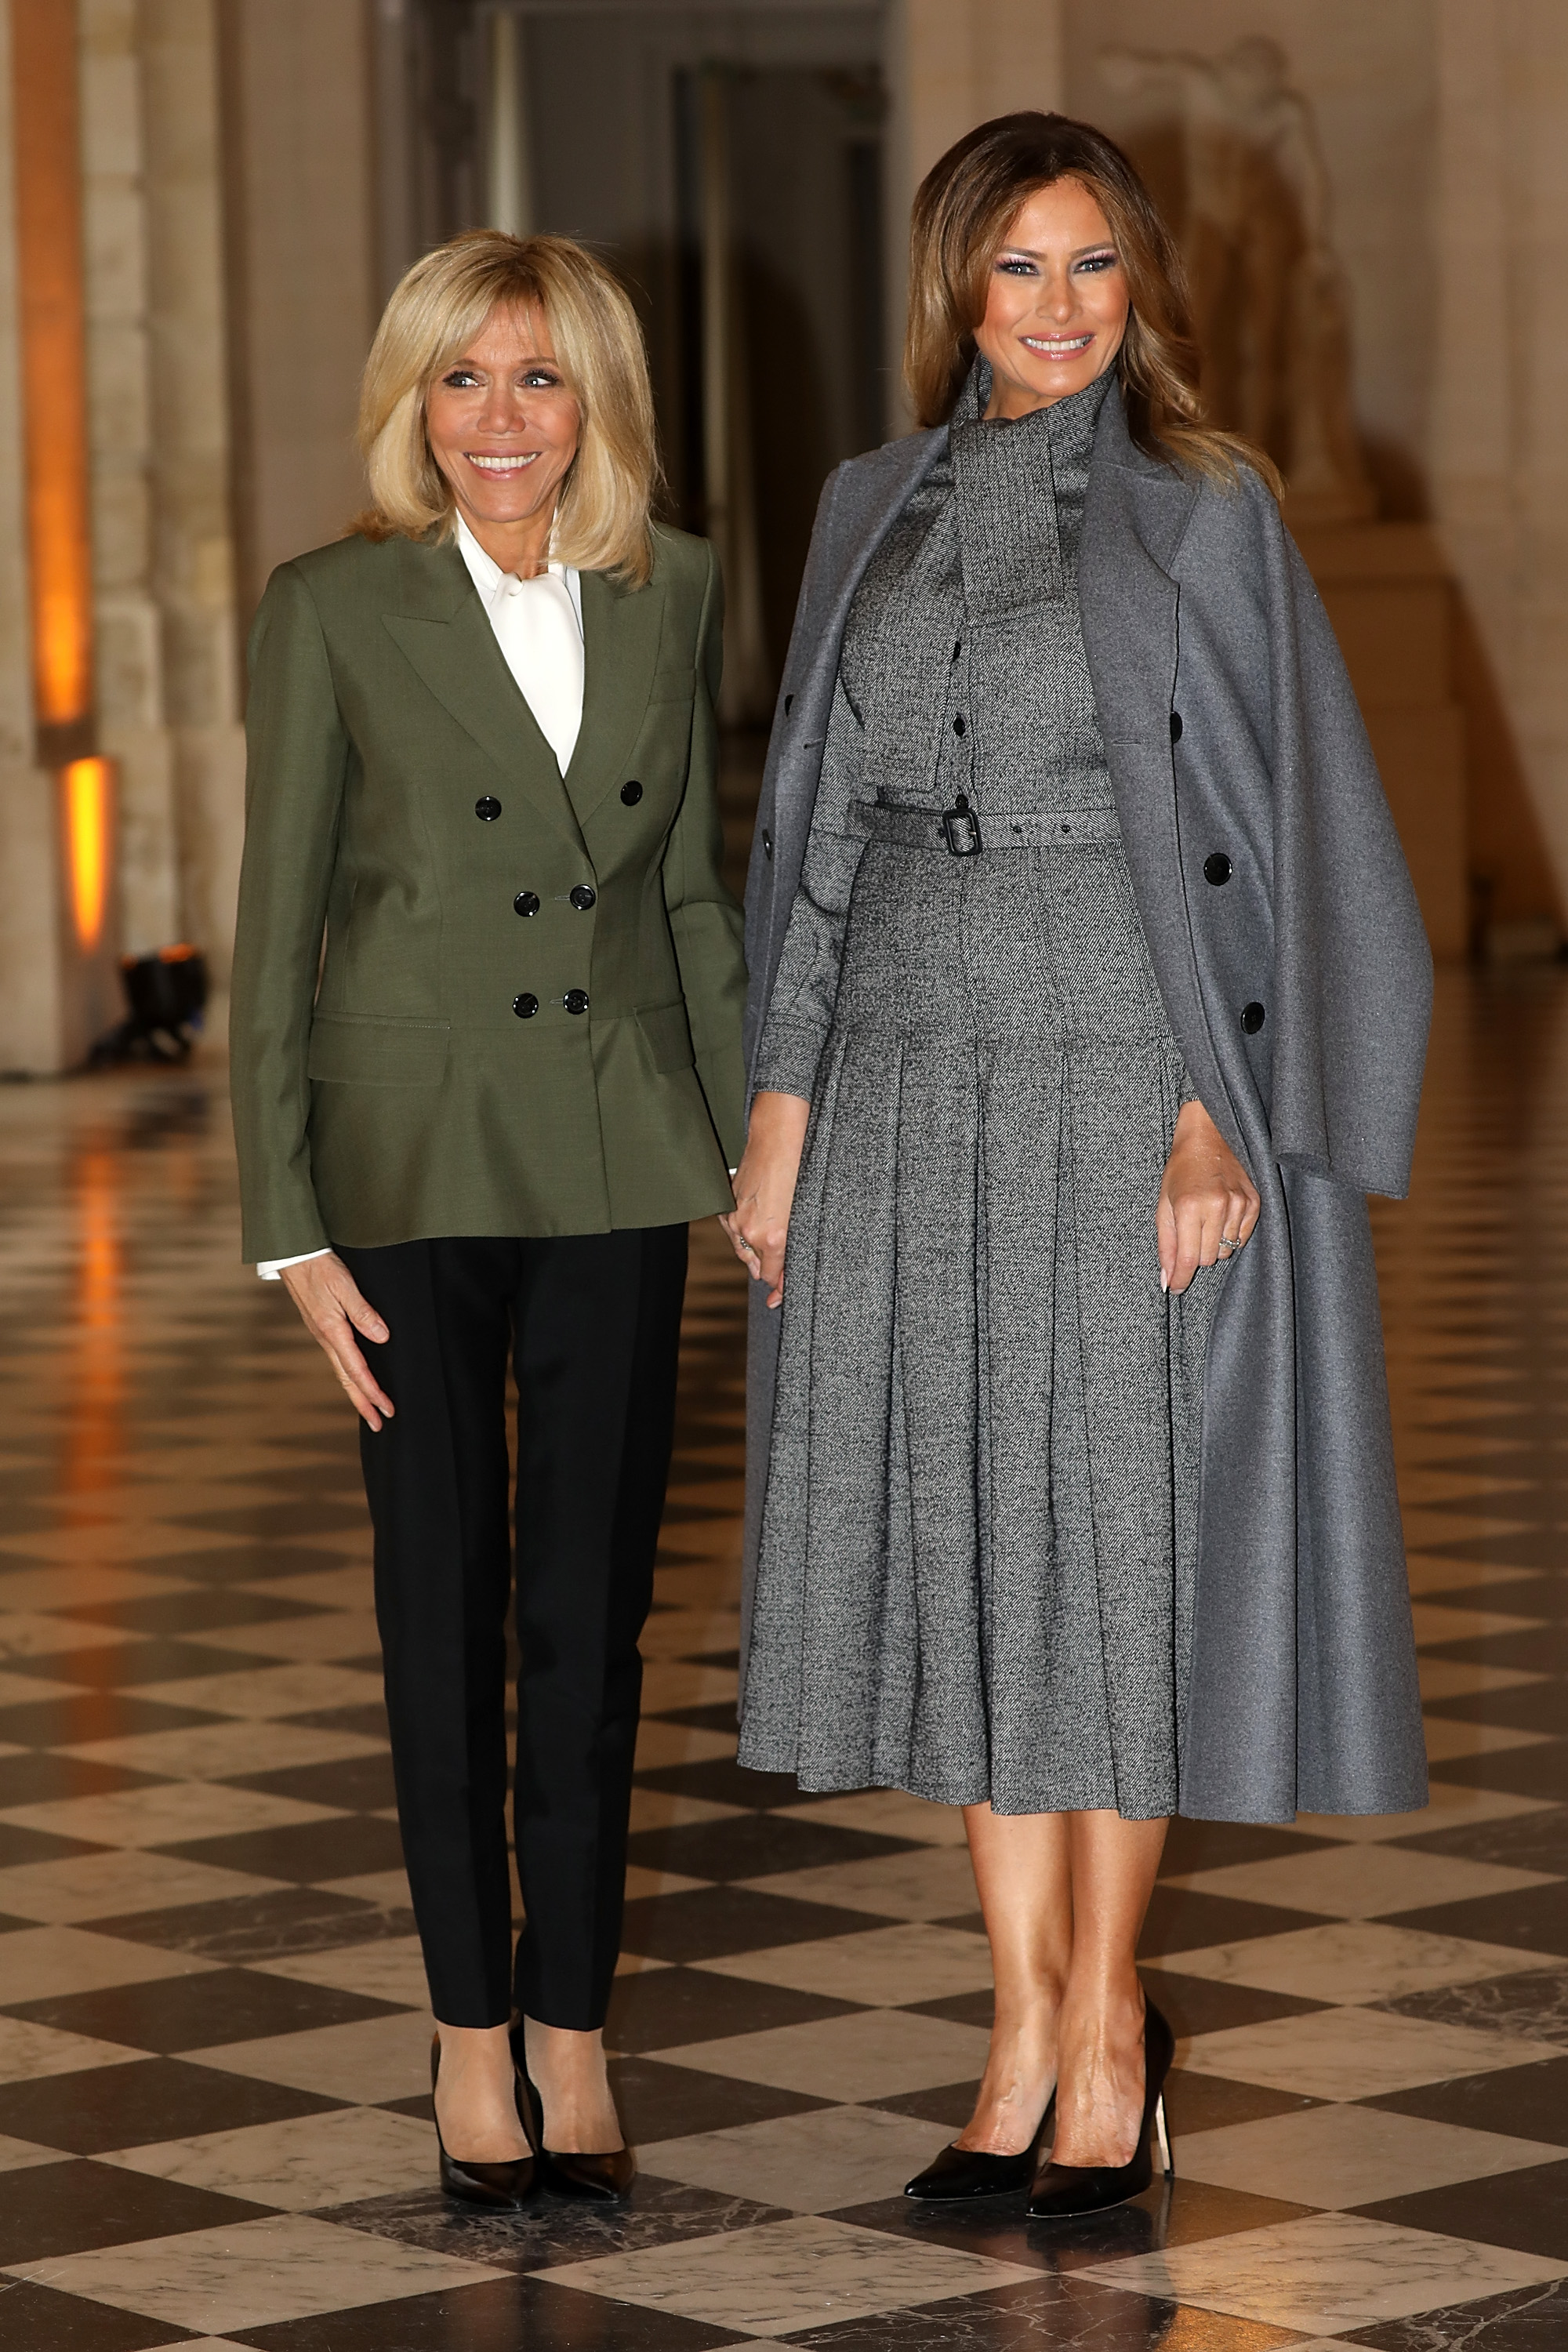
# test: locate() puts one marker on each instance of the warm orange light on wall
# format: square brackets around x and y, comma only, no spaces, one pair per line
[86,820]
[53,369]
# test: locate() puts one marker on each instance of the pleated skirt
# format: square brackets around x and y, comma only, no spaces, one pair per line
[978,1536]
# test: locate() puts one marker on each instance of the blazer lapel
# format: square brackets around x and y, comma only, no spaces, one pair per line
[1135,513]
[444,631]
[621,631]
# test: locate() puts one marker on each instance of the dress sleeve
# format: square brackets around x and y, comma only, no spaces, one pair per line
[806,989]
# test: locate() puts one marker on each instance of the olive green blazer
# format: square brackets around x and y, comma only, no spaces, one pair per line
[402,802]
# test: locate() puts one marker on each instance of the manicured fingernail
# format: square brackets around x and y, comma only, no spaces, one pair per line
[1164,1279]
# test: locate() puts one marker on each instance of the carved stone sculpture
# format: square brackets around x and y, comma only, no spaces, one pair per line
[1268,293]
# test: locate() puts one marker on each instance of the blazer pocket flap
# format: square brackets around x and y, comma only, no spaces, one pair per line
[668,1033]
[353,1049]
[673,685]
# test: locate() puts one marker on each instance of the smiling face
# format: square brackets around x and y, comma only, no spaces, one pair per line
[1057,304]
[504,429]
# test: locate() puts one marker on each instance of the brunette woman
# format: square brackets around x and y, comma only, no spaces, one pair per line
[1089,998]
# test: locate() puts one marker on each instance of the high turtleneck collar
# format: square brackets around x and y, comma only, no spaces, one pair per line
[1068,424]
[1020,488]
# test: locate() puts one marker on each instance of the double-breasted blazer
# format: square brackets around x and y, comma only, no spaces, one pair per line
[1289,952]
[526,1019]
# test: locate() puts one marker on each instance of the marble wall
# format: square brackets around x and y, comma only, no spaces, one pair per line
[1497,457]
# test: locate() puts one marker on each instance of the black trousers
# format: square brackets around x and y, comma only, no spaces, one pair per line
[592,1322]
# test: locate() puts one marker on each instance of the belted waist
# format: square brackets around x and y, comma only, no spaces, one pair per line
[914,828]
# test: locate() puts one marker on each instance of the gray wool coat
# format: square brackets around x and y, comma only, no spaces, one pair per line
[1230,727]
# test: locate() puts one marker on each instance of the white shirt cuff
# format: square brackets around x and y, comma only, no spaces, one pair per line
[270,1268]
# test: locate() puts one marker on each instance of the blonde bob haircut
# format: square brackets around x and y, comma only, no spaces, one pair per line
[603,521]
[963,210]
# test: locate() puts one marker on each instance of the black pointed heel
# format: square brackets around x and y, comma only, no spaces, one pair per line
[956,2174]
[1061,2190]
[592,2179]
[504,2187]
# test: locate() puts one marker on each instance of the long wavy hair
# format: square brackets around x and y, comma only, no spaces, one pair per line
[603,521]
[963,210]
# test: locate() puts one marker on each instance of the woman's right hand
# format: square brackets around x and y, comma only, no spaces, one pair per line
[333,1308]
[758,1226]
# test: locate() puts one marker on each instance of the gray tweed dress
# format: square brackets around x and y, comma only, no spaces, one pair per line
[974,1578]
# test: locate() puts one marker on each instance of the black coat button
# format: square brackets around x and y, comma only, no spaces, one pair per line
[575,1000]
[1252,1019]
[631,793]
[1175,726]
[767,843]
[525,1006]
[487,810]
[526,903]
[1217,868]
[958,724]
[789,704]
[583,897]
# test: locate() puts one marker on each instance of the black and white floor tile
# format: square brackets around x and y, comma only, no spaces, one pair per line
[214,2114]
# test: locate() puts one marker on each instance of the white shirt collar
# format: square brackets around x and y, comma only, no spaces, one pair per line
[493,583]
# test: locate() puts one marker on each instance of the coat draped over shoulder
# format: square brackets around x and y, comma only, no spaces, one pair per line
[1297,985]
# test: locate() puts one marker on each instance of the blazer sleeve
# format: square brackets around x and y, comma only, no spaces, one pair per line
[297,759]
[704,920]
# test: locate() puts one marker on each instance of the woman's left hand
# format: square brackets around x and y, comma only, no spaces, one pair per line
[1208,1203]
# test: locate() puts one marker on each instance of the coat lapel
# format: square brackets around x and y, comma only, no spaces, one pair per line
[443,630]
[875,494]
[621,631]
[1136,511]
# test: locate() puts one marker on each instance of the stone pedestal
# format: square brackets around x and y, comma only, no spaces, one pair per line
[1391,599]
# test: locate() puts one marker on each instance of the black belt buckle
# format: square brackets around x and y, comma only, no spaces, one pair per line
[961,827]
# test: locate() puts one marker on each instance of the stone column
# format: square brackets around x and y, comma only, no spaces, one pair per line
[129,654]
[31,997]
[952,64]
[192,546]
[299,155]
[164,569]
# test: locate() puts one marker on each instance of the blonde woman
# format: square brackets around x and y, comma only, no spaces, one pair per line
[482,762]
[1088,972]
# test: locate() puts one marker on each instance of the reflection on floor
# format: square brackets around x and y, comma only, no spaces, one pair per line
[213,2040]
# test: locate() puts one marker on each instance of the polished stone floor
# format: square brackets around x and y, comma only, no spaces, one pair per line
[214,2126]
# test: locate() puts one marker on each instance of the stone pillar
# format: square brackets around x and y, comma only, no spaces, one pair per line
[30,906]
[958,62]
[130,656]
[167,667]
[952,64]
[298,82]
[58,988]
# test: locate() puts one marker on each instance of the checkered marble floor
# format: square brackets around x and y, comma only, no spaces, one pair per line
[214,2120]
